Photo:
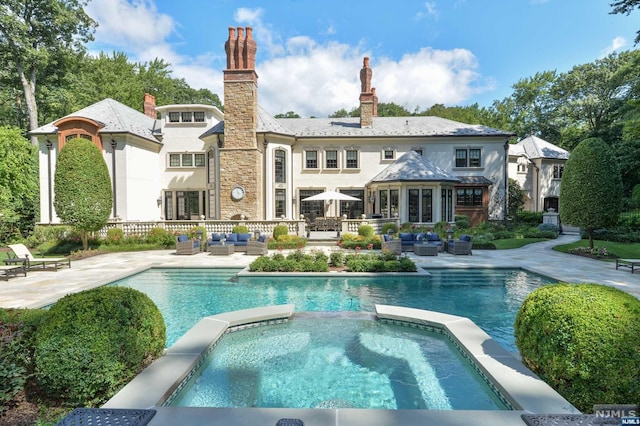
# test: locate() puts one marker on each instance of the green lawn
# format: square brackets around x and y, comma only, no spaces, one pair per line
[512,243]
[623,250]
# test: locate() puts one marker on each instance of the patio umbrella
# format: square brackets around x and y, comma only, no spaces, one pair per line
[332,195]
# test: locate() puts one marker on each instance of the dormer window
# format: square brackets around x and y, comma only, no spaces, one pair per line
[186,117]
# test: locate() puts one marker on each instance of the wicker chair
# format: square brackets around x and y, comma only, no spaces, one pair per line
[256,248]
[186,246]
[393,246]
[459,247]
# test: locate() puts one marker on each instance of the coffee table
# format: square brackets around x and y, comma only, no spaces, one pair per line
[222,250]
[425,250]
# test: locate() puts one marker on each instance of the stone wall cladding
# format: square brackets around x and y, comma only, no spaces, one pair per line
[241,167]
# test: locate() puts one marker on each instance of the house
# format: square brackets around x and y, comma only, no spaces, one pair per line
[192,162]
[537,165]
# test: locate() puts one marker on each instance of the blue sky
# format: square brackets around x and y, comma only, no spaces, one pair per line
[452,52]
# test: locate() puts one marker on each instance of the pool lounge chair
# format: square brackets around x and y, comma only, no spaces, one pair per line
[21,251]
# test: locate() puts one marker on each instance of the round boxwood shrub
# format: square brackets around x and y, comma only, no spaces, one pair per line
[584,340]
[366,231]
[239,229]
[95,341]
[387,226]
[280,230]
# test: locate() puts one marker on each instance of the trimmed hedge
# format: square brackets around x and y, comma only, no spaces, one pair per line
[95,341]
[17,341]
[584,340]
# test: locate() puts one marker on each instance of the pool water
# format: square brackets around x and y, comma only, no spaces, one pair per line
[337,363]
[489,297]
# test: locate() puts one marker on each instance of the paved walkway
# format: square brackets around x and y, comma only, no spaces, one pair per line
[41,288]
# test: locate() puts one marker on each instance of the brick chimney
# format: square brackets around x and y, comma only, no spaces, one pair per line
[241,157]
[367,96]
[149,106]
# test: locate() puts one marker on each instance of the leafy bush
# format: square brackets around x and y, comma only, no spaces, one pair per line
[366,231]
[406,227]
[441,228]
[95,341]
[630,219]
[240,229]
[115,236]
[287,242]
[528,218]
[17,341]
[279,231]
[536,233]
[583,340]
[337,258]
[387,226]
[352,242]
[462,221]
[43,233]
[548,227]
[160,236]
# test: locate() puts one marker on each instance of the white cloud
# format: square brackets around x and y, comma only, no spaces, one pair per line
[430,10]
[615,45]
[297,74]
[135,26]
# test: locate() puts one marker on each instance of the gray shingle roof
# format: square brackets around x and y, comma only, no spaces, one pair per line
[413,167]
[350,127]
[535,147]
[116,118]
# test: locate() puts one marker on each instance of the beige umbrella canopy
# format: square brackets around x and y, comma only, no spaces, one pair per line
[332,195]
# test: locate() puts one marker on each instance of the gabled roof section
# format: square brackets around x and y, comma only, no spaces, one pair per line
[535,147]
[116,117]
[413,167]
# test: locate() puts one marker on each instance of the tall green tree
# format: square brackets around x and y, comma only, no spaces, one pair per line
[591,189]
[18,184]
[83,194]
[515,199]
[36,35]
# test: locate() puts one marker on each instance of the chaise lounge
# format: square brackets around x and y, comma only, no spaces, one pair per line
[22,252]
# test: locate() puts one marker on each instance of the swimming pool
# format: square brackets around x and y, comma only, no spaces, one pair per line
[489,297]
[318,362]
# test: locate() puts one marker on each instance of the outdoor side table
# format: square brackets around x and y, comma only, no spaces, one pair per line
[222,249]
[425,250]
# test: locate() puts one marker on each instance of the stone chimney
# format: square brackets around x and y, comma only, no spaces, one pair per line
[367,96]
[149,106]
[241,157]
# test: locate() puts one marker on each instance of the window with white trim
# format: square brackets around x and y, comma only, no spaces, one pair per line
[311,159]
[558,170]
[351,156]
[468,157]
[331,159]
[187,160]
[280,162]
[186,116]
[388,154]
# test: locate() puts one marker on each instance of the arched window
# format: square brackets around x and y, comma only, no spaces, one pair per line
[280,166]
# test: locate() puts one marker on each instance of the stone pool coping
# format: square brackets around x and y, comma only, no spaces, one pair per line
[522,388]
